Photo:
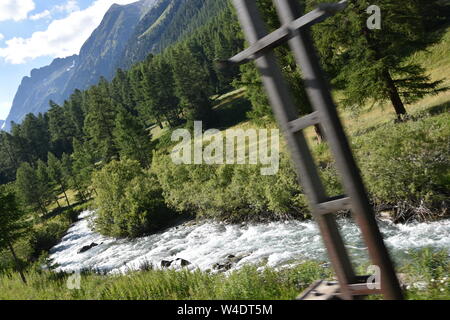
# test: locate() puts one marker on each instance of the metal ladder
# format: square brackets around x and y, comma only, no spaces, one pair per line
[296,32]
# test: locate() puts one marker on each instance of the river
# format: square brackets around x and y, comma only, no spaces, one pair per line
[204,244]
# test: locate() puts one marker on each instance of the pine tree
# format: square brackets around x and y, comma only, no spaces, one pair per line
[372,64]
[46,188]
[33,137]
[9,157]
[121,92]
[74,110]
[12,226]
[136,77]
[100,119]
[28,187]
[192,85]
[61,129]
[57,174]
[21,144]
[83,165]
[434,13]
[255,93]
[131,138]
[159,92]
[67,170]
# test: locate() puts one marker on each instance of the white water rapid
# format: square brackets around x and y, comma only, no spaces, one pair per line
[275,244]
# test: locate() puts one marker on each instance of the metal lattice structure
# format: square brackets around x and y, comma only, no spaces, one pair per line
[295,30]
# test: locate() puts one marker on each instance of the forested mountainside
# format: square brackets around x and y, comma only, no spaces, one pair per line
[127,34]
[166,23]
[97,57]
[112,116]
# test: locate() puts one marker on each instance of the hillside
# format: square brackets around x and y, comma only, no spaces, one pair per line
[126,35]
[169,21]
[42,85]
[97,57]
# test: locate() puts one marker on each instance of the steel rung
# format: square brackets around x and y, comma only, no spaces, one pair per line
[284,33]
[362,289]
[321,290]
[304,122]
[331,290]
[334,205]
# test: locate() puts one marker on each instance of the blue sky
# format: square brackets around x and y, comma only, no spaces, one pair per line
[34,32]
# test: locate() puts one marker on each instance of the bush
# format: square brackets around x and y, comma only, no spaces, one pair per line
[45,236]
[129,200]
[230,192]
[407,165]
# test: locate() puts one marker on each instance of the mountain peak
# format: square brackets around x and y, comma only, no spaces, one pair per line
[115,43]
[99,56]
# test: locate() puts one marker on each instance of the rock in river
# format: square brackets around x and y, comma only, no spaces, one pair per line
[86,248]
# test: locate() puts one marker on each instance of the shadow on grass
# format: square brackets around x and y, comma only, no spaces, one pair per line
[60,210]
[231,113]
[428,112]
[434,110]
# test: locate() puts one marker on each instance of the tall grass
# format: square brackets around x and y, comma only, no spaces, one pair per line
[246,283]
[426,277]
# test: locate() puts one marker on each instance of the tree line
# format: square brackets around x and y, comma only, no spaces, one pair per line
[111,120]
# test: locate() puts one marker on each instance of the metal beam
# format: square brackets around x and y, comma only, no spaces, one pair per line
[304,122]
[285,111]
[320,97]
[286,32]
[295,31]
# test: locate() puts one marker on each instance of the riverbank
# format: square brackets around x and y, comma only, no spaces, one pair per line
[274,260]
[404,167]
[426,277]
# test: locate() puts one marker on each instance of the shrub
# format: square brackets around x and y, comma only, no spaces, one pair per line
[47,235]
[407,165]
[430,263]
[129,200]
[231,192]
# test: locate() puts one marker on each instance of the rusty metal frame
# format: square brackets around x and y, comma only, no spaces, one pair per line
[296,32]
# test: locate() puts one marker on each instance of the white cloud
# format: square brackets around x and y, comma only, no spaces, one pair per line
[41,15]
[62,38]
[15,9]
[69,7]
[1,36]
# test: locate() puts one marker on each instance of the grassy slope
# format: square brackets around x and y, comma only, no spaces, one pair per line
[437,63]
[46,231]
[426,278]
